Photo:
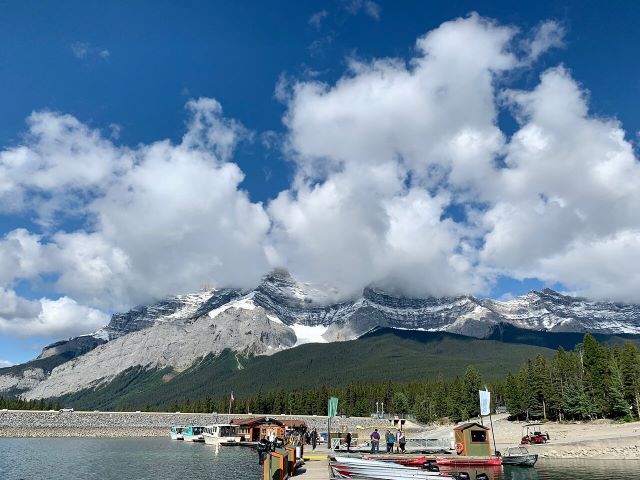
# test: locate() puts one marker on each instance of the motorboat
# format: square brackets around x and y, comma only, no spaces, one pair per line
[191,433]
[519,456]
[221,434]
[176,432]
[465,461]
[347,467]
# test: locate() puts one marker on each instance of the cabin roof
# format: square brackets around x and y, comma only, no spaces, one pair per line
[256,421]
[465,426]
[293,423]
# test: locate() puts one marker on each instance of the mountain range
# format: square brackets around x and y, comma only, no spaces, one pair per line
[177,333]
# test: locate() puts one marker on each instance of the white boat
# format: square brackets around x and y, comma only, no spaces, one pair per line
[176,432]
[192,433]
[346,467]
[221,434]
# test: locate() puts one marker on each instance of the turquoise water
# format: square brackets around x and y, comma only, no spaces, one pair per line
[161,458]
[122,458]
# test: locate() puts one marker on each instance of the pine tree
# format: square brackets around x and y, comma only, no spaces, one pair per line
[618,406]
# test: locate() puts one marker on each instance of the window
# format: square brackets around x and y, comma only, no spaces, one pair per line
[478,436]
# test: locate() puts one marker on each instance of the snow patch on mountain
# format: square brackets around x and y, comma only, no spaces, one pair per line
[309,334]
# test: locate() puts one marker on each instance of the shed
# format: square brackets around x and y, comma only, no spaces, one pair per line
[258,428]
[472,439]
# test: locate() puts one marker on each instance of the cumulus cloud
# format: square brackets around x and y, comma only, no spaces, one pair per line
[382,156]
[45,317]
[161,218]
[568,196]
[5,363]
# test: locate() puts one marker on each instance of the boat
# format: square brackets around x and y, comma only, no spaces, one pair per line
[400,460]
[176,432]
[191,433]
[463,461]
[519,456]
[221,434]
[347,467]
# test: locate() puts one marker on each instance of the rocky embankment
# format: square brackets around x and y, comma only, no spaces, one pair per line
[129,424]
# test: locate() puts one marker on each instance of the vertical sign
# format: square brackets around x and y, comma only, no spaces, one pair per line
[485,402]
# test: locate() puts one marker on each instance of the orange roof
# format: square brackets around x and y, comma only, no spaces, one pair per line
[255,421]
[464,426]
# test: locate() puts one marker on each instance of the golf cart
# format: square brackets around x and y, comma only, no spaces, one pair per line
[532,434]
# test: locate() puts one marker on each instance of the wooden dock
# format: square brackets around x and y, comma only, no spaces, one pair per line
[316,469]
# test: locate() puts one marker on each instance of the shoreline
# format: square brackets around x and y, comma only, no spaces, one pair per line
[600,439]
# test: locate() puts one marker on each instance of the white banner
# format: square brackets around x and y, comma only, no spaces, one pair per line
[485,402]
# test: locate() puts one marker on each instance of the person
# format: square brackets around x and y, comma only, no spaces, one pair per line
[375,441]
[402,440]
[390,442]
[348,440]
[314,438]
[272,436]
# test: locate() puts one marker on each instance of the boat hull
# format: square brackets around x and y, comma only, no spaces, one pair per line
[521,460]
[473,461]
[210,440]
[177,436]
[345,467]
[193,438]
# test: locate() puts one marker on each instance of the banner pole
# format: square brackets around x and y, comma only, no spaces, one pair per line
[495,448]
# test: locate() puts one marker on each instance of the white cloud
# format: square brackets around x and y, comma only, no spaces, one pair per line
[49,318]
[161,218]
[5,363]
[317,18]
[368,7]
[549,34]
[569,196]
[86,51]
[382,156]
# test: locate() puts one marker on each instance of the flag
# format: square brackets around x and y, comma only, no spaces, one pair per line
[232,398]
[485,402]
[332,408]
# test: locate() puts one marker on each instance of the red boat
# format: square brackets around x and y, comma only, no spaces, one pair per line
[462,461]
[407,462]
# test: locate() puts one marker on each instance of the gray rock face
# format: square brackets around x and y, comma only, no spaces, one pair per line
[244,328]
[74,346]
[281,313]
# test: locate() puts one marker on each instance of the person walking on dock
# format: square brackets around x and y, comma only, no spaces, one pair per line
[348,440]
[402,441]
[375,441]
[314,438]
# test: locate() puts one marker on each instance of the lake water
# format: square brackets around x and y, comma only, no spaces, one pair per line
[161,458]
[118,458]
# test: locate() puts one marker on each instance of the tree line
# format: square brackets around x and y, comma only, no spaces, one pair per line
[592,381]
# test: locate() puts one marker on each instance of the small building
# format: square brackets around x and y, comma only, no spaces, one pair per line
[258,428]
[472,439]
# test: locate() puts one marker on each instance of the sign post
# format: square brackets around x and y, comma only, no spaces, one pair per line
[485,409]
[332,410]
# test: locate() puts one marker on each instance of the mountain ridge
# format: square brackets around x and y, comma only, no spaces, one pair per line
[281,313]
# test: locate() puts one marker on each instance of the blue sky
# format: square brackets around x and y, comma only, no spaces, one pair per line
[128,70]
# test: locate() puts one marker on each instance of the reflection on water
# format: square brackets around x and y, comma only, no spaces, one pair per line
[564,470]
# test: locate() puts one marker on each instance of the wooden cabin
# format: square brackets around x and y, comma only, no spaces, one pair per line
[259,428]
[472,439]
